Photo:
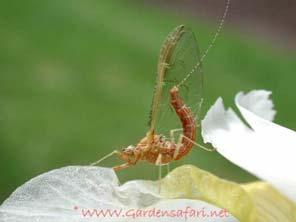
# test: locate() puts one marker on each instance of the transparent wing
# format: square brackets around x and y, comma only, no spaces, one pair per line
[177,66]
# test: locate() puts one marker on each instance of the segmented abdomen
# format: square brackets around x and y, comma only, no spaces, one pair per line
[188,122]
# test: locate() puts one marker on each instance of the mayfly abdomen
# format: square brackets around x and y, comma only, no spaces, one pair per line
[188,122]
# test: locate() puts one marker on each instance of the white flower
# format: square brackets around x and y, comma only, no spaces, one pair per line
[263,148]
[69,193]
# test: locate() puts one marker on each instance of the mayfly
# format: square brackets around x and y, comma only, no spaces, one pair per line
[178,55]
[178,83]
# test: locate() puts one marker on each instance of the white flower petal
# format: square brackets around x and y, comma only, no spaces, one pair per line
[257,102]
[267,150]
[228,134]
[61,195]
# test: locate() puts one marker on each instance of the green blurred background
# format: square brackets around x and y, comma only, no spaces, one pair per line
[76,82]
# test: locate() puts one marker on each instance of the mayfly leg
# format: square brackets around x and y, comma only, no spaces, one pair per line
[179,143]
[122,166]
[105,157]
[199,145]
[159,164]
[172,134]
[178,146]
[168,168]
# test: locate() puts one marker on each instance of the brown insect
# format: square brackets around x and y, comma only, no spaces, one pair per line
[178,55]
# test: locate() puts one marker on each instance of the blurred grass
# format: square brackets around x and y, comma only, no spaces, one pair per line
[76,82]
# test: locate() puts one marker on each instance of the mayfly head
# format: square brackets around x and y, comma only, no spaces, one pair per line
[128,154]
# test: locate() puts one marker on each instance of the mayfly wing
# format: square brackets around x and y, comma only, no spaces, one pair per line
[178,65]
